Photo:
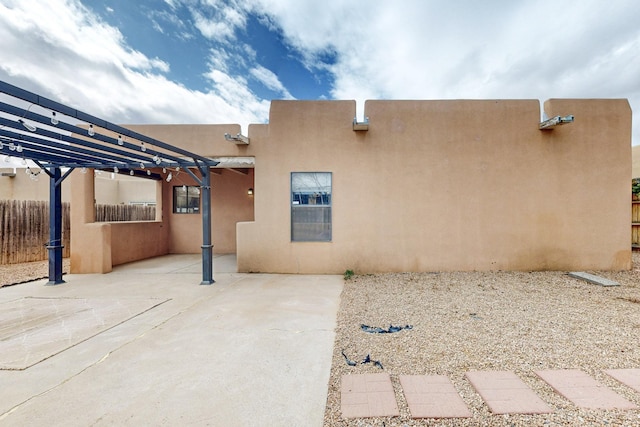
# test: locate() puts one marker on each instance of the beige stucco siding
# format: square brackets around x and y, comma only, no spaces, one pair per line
[430,186]
[447,185]
[230,204]
[635,155]
[97,247]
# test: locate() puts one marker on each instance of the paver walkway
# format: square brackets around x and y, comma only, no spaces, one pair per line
[583,390]
[434,396]
[505,393]
[628,377]
[368,395]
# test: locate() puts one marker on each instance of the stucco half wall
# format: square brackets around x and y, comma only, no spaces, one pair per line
[97,247]
[446,185]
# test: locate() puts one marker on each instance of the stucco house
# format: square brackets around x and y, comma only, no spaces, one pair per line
[416,186]
[111,188]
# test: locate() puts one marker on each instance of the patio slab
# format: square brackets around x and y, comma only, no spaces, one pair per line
[505,393]
[247,350]
[34,329]
[433,396]
[583,390]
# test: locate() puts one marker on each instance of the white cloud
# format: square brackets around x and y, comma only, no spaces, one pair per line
[213,29]
[403,49]
[217,21]
[172,3]
[61,50]
[66,28]
[442,49]
[270,80]
[157,27]
[167,22]
[219,59]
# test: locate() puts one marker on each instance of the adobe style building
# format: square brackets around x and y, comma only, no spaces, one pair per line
[111,189]
[422,186]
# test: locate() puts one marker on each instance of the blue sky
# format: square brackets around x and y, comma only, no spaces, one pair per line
[223,61]
[170,32]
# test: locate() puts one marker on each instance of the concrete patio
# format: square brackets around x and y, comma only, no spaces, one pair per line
[147,345]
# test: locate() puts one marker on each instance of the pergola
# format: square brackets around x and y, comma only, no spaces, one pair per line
[58,137]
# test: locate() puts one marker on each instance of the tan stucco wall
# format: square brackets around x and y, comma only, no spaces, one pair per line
[121,189]
[135,240]
[206,140]
[106,190]
[446,185]
[136,191]
[432,185]
[90,241]
[229,200]
[635,154]
[97,247]
[22,187]
[230,204]
[115,189]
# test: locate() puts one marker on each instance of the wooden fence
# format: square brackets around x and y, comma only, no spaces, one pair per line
[635,224]
[25,231]
[25,227]
[111,213]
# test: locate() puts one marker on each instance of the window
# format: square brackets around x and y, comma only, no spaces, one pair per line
[186,199]
[311,206]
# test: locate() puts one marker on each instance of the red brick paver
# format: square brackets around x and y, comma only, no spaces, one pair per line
[505,393]
[433,396]
[628,377]
[368,395]
[583,390]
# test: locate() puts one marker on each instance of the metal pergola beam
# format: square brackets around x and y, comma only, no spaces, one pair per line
[115,146]
[78,140]
[87,118]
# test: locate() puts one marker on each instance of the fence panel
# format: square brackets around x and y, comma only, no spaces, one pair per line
[113,213]
[25,231]
[25,227]
[635,224]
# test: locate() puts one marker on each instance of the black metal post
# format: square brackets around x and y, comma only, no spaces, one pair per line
[55,227]
[207,247]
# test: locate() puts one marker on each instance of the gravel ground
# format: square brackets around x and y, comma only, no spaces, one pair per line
[11,274]
[516,321]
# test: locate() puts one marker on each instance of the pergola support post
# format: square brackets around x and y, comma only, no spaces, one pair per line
[55,227]
[207,247]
